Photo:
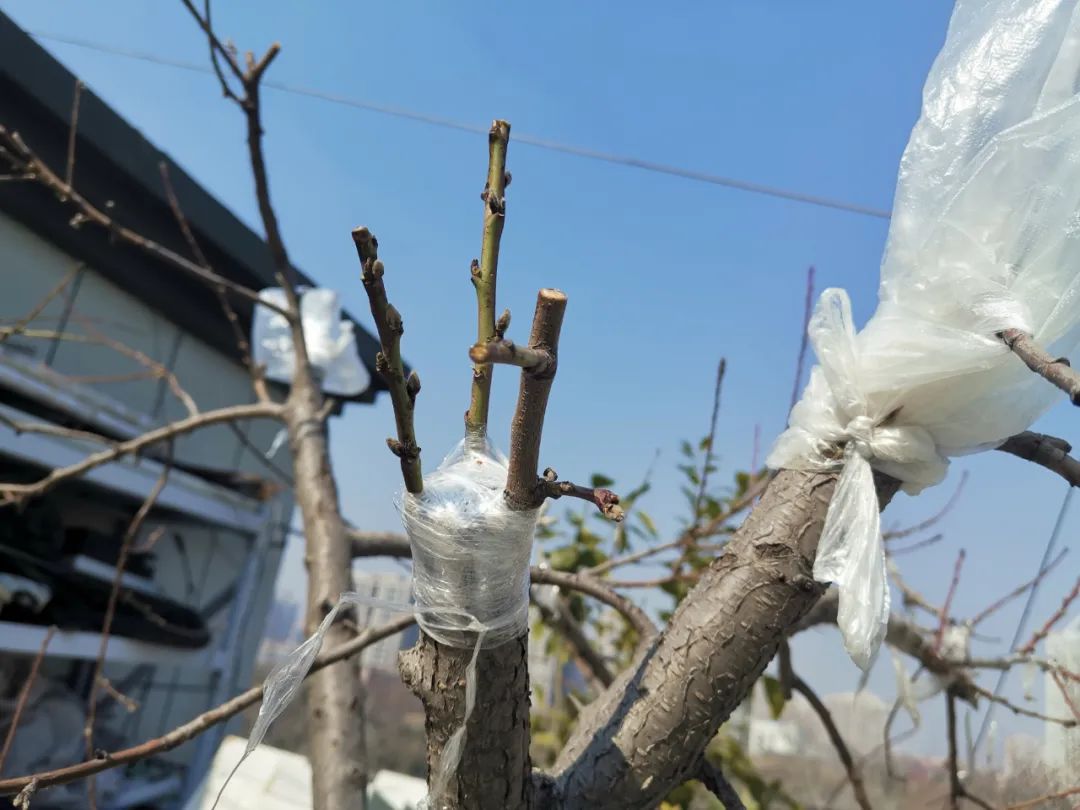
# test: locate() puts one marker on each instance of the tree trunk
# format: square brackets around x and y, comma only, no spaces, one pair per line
[335,699]
[494,770]
[646,734]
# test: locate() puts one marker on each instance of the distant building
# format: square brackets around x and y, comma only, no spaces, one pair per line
[387,587]
[1061,750]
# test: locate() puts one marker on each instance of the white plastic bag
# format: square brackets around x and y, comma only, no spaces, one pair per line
[331,343]
[985,236]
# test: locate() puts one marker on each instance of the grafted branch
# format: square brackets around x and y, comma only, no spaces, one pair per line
[403,390]
[485,271]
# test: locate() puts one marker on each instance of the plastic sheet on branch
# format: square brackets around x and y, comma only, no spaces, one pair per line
[331,342]
[985,236]
[470,551]
[471,558]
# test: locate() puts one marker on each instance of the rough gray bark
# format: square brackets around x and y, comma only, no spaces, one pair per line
[647,733]
[495,768]
[335,702]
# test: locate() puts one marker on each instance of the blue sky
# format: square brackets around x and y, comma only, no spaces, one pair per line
[664,275]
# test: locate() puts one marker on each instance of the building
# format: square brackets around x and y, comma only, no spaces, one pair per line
[392,589]
[197,587]
[1061,750]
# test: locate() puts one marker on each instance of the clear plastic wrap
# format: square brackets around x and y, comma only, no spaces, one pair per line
[470,551]
[985,236]
[470,584]
[331,342]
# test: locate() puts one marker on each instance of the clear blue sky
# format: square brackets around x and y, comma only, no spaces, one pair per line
[664,275]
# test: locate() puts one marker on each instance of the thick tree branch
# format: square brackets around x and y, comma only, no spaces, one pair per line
[1046,451]
[485,271]
[196,726]
[403,390]
[1055,370]
[626,750]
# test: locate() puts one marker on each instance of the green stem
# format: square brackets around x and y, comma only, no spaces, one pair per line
[484,274]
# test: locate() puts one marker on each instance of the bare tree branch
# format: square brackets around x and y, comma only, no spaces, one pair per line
[27,164]
[606,501]
[257,410]
[1057,616]
[1046,451]
[1055,370]
[713,779]
[126,543]
[24,696]
[197,725]
[857,786]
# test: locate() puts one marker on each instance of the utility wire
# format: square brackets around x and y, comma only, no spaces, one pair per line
[529,140]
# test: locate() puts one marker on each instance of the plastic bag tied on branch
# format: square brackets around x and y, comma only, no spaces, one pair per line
[985,237]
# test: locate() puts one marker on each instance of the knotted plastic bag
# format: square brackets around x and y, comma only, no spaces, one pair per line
[331,341]
[985,236]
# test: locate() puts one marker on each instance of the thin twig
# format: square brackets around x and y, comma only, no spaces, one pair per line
[1067,722]
[1000,603]
[73,129]
[1055,370]
[957,791]
[110,610]
[1062,794]
[929,541]
[943,614]
[255,410]
[1057,616]
[598,589]
[857,786]
[896,534]
[24,696]
[714,780]
[1047,451]
[485,271]
[800,363]
[710,440]
[197,725]
[39,307]
[1060,682]
[704,531]
[523,490]
[26,162]
[606,501]
[403,390]
[558,617]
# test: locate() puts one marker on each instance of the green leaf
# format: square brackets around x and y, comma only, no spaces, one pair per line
[705,443]
[687,450]
[774,694]
[599,480]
